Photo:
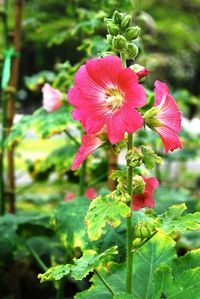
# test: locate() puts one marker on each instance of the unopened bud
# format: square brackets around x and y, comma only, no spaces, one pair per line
[134,157]
[117,17]
[132,33]
[113,29]
[131,51]
[119,42]
[126,20]
[137,242]
[138,185]
[140,70]
[141,231]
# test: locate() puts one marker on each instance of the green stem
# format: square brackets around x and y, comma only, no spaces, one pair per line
[37,258]
[146,240]
[104,282]
[60,289]
[129,265]
[82,182]
[72,138]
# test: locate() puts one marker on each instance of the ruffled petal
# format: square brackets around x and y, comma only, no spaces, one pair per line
[89,144]
[169,138]
[104,71]
[126,120]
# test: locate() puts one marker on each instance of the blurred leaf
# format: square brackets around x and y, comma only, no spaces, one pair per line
[150,158]
[104,210]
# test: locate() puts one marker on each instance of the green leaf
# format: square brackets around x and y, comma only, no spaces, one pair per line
[44,124]
[172,220]
[104,210]
[157,251]
[89,261]
[150,159]
[55,273]
[123,296]
[81,267]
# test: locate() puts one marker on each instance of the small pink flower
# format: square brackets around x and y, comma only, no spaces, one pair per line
[145,199]
[169,116]
[90,143]
[52,98]
[91,193]
[69,196]
[106,94]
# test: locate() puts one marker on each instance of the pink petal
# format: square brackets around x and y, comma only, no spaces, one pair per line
[151,184]
[143,72]
[89,144]
[126,79]
[126,120]
[91,193]
[136,96]
[69,196]
[51,98]
[104,71]
[169,138]
[161,91]
[170,115]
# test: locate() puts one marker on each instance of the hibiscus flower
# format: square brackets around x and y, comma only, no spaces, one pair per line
[105,95]
[145,199]
[52,98]
[165,117]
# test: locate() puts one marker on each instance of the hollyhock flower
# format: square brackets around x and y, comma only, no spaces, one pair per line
[145,199]
[140,70]
[90,193]
[90,143]
[69,196]
[165,117]
[105,95]
[52,98]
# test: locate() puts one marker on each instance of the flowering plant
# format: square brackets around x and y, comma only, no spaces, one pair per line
[109,100]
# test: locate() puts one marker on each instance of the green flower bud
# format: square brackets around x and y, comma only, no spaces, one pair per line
[132,33]
[136,242]
[109,39]
[113,29]
[138,184]
[131,51]
[126,20]
[134,157]
[141,231]
[117,17]
[119,42]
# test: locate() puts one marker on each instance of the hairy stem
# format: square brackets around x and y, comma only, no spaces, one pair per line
[104,282]
[129,265]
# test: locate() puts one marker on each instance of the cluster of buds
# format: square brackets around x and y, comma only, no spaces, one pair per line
[144,230]
[121,34]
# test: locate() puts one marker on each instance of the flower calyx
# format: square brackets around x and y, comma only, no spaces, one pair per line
[134,157]
[150,117]
[138,184]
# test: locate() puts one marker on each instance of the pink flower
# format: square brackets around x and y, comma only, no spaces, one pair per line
[89,144]
[106,94]
[69,196]
[90,193]
[145,199]
[52,98]
[140,70]
[165,117]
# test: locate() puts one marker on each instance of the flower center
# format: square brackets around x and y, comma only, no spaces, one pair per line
[114,98]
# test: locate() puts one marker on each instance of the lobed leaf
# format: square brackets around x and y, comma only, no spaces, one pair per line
[150,159]
[102,211]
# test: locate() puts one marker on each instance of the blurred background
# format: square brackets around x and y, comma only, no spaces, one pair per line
[55,38]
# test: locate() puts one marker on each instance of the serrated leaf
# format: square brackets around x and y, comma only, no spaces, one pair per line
[172,220]
[55,273]
[150,159]
[89,261]
[157,251]
[102,211]
[81,267]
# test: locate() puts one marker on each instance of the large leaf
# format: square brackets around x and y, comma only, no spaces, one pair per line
[173,220]
[157,251]
[104,210]
[43,123]
[81,267]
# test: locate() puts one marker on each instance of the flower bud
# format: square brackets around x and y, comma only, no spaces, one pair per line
[132,33]
[131,51]
[126,20]
[117,17]
[134,157]
[119,42]
[141,231]
[136,242]
[140,70]
[109,39]
[138,185]
[113,29]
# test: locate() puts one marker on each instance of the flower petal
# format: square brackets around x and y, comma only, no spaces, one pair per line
[161,90]
[169,138]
